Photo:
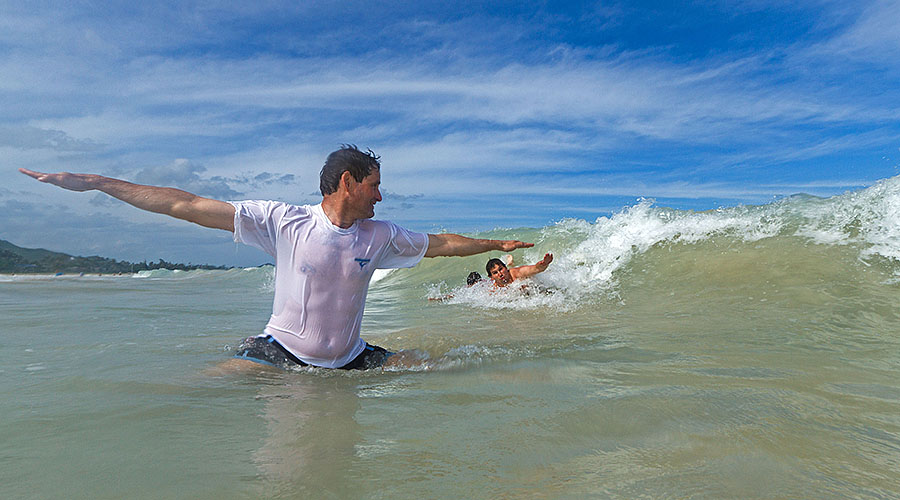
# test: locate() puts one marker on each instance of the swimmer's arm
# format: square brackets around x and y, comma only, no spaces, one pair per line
[163,200]
[529,271]
[454,245]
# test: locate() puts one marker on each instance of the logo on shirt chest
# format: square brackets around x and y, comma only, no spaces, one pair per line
[362,262]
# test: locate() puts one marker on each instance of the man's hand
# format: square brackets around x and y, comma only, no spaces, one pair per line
[65,180]
[510,245]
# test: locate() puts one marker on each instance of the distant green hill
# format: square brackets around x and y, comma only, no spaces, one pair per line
[31,254]
[15,259]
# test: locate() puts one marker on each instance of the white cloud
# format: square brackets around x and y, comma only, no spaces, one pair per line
[874,36]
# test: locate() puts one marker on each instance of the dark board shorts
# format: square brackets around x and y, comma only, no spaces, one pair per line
[268,351]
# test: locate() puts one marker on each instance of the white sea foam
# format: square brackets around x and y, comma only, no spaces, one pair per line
[610,243]
[524,295]
[869,218]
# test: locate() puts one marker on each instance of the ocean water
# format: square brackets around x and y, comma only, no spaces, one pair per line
[746,352]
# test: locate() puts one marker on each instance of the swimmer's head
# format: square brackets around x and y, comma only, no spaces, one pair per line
[473,278]
[498,272]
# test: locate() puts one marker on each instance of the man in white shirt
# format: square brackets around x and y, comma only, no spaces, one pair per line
[324,254]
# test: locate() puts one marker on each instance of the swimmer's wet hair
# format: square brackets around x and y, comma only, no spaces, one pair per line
[347,159]
[473,278]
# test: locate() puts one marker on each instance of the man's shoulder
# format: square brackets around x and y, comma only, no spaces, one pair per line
[273,205]
[273,210]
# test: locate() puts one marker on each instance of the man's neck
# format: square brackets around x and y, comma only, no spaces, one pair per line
[335,212]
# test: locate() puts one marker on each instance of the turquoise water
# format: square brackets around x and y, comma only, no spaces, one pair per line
[749,352]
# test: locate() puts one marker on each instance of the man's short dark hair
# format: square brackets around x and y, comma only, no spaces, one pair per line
[492,264]
[473,278]
[347,159]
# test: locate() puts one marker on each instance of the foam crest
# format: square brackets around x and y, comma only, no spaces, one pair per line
[526,294]
[869,217]
[609,244]
[163,273]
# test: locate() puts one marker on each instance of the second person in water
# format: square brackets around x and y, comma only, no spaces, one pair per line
[503,275]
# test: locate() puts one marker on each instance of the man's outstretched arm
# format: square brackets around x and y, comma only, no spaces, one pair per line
[454,245]
[169,201]
[529,271]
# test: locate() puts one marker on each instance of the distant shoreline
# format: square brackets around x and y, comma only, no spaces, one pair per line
[38,261]
[6,276]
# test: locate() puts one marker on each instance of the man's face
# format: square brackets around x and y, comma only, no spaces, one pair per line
[366,194]
[500,274]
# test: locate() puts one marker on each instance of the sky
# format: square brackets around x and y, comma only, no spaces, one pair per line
[485,114]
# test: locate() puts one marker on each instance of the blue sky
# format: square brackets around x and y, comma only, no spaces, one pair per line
[486,114]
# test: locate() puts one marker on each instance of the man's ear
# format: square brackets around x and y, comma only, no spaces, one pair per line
[347,180]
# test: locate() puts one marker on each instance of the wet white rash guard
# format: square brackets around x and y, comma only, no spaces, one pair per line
[322,273]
